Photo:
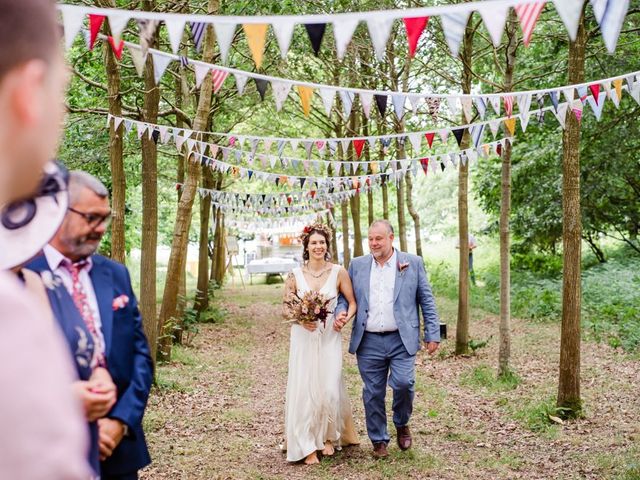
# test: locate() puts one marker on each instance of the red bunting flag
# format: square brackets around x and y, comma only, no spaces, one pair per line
[117,50]
[508,104]
[528,14]
[358,145]
[313,193]
[429,136]
[425,164]
[95,22]
[415,27]
[219,76]
[289,200]
[595,91]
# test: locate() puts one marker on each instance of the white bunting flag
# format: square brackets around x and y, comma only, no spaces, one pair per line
[283,31]
[570,11]
[561,114]
[495,103]
[72,19]
[524,120]
[117,22]
[343,31]
[452,102]
[569,94]
[416,140]
[224,36]
[398,104]
[597,106]
[494,18]
[280,93]
[347,101]
[160,64]
[610,16]
[379,30]
[175,28]
[241,82]
[327,95]
[467,108]
[365,99]
[201,71]
[481,106]
[524,102]
[493,126]
[138,59]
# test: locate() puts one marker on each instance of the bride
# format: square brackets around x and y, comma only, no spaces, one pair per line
[317,411]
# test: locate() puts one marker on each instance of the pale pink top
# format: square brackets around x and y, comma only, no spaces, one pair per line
[43,433]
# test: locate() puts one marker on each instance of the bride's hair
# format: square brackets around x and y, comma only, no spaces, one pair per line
[320,229]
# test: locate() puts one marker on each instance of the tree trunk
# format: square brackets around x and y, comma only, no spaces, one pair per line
[504,347]
[414,214]
[334,231]
[148,293]
[402,220]
[462,326]
[180,241]
[385,201]
[569,381]
[355,200]
[221,251]
[344,214]
[202,293]
[118,179]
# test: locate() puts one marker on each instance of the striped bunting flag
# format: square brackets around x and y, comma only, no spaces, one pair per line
[508,104]
[453,25]
[610,16]
[197,33]
[528,14]
[219,76]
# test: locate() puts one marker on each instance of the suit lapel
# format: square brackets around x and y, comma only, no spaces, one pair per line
[103,286]
[367,278]
[400,258]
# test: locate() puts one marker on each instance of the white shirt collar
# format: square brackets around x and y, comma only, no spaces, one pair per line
[55,258]
[389,263]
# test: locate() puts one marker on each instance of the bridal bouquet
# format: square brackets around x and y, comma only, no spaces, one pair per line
[311,307]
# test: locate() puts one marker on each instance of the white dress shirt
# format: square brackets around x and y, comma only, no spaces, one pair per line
[382,282]
[55,260]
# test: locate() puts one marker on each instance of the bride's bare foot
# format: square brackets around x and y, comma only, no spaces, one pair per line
[328,449]
[311,459]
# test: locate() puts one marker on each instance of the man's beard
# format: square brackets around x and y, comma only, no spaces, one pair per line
[85,249]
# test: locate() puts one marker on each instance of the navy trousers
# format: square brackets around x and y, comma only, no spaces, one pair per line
[383,358]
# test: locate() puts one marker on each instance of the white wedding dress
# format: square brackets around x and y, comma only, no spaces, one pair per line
[317,408]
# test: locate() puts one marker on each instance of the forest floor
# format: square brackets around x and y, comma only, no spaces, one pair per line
[217,412]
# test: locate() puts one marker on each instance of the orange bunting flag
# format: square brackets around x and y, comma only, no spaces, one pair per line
[374,167]
[510,123]
[305,98]
[617,84]
[256,34]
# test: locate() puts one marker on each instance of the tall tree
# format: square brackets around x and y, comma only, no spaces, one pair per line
[504,348]
[149,240]
[183,216]
[462,326]
[569,382]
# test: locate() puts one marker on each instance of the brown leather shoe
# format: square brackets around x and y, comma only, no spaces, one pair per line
[404,438]
[380,450]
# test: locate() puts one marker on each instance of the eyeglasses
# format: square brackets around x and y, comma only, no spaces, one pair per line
[93,219]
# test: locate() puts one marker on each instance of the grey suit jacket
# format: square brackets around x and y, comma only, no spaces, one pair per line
[412,290]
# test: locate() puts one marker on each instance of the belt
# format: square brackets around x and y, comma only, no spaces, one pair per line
[383,333]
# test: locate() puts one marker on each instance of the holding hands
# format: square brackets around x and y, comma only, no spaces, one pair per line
[340,321]
[98,394]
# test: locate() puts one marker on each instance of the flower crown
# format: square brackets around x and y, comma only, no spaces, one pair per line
[316,227]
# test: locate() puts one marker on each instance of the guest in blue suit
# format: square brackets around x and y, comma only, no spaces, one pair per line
[101,291]
[390,287]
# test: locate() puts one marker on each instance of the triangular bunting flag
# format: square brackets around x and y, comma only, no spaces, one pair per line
[381,102]
[398,104]
[508,104]
[316,34]
[117,22]
[280,93]
[494,18]
[481,106]
[224,36]
[414,27]
[416,140]
[365,99]
[147,31]
[458,133]
[95,23]
[495,104]
[358,145]
[476,134]
[175,28]
[453,26]
[241,82]
[430,136]
[570,11]
[467,108]
[160,64]
[524,103]
[452,102]
[256,34]
[379,30]
[524,121]
[528,14]
[305,98]
[444,134]
[117,49]
[561,113]
[219,76]
[72,19]
[283,31]
[510,124]
[347,101]
[261,85]
[493,126]
[576,107]
[597,104]
[201,70]
[595,91]
[553,95]
[343,31]
[612,13]
[197,33]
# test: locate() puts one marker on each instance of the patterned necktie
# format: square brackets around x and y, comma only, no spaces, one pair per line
[82,304]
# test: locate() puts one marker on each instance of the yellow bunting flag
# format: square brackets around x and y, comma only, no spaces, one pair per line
[256,34]
[510,123]
[374,167]
[617,84]
[486,149]
[305,98]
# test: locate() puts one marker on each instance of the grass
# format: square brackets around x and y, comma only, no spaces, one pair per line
[484,377]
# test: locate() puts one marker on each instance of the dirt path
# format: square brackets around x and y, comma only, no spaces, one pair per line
[218,412]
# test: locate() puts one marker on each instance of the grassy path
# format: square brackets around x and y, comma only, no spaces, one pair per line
[218,410]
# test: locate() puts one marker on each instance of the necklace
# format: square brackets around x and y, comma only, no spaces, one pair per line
[316,275]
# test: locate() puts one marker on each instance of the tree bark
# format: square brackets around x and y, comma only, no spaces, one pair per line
[462,326]
[118,179]
[202,292]
[180,241]
[504,347]
[355,200]
[148,255]
[385,201]
[344,215]
[569,381]
[414,214]
[402,220]
[221,250]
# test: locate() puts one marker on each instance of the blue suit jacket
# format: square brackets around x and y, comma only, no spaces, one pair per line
[128,359]
[412,290]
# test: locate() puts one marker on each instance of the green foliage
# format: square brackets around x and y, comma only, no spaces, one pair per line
[483,376]
[540,416]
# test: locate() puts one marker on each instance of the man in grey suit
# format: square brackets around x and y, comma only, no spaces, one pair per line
[389,286]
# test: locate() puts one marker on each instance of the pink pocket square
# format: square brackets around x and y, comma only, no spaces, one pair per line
[120,302]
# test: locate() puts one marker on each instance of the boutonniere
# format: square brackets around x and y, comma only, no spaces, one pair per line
[402,267]
[120,302]
[50,281]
